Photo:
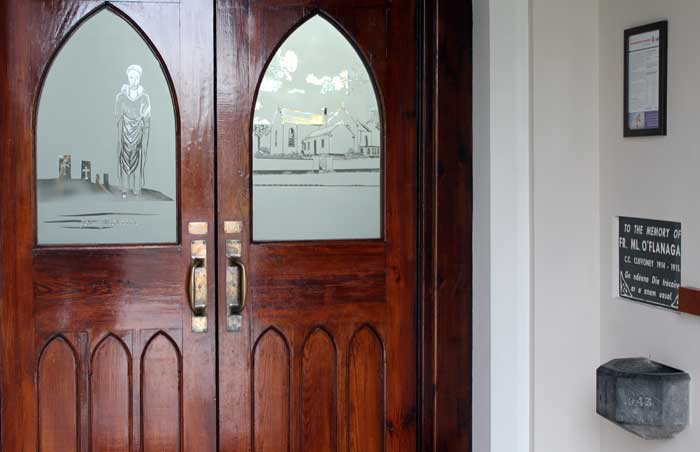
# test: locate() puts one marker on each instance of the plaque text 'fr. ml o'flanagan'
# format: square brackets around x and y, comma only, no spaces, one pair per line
[650,261]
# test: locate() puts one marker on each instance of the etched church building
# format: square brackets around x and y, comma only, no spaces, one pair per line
[288,127]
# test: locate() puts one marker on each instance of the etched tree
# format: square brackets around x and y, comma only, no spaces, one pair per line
[261,130]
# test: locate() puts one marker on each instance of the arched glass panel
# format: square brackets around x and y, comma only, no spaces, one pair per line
[106,141]
[317,141]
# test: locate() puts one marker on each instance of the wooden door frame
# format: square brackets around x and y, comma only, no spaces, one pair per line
[445,225]
[445,231]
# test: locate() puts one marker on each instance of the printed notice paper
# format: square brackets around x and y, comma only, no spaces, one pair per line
[644,67]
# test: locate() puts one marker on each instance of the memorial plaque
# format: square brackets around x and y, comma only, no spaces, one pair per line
[650,261]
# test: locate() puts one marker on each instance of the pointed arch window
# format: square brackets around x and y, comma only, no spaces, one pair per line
[106,140]
[317,84]
[291,140]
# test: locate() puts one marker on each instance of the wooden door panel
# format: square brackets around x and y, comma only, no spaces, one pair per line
[104,414]
[161,395]
[337,377]
[76,289]
[57,392]
[319,393]
[365,414]
[271,390]
[111,396]
[317,275]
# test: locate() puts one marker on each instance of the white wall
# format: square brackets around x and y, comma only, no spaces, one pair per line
[536,254]
[651,178]
[566,308]
[501,226]
[558,198]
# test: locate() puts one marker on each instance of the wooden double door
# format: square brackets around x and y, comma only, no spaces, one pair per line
[209,225]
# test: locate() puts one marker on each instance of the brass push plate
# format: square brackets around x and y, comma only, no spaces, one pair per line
[233,227]
[234,248]
[199,324]
[234,323]
[198,248]
[198,228]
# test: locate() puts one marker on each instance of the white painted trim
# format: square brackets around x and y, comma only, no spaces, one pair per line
[502,226]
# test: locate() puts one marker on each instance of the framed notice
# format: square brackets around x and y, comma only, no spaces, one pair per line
[650,261]
[645,80]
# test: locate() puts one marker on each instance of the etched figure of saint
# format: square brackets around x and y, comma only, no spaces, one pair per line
[132,110]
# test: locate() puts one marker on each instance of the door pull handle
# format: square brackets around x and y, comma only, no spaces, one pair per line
[198,286]
[236,286]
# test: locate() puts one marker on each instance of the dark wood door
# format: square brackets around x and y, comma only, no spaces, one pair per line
[169,287]
[98,347]
[325,356]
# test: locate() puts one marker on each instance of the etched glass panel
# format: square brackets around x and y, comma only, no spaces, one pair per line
[317,141]
[106,141]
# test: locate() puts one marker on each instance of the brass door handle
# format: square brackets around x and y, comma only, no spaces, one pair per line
[236,286]
[236,293]
[198,287]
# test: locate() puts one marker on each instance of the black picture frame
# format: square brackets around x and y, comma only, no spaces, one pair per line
[661,124]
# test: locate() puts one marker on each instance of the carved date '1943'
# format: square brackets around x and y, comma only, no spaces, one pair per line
[641,402]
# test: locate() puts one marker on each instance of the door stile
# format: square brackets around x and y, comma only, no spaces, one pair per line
[402,234]
[197,170]
[17,235]
[446,217]
[233,178]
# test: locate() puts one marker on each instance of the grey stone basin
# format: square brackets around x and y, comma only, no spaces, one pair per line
[644,397]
